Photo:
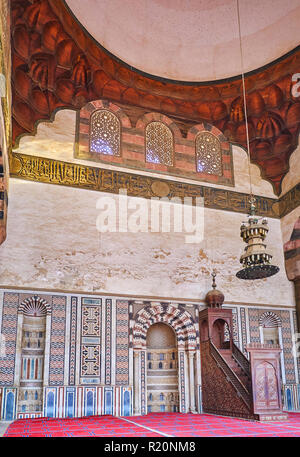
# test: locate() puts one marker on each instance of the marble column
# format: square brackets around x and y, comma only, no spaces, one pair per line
[136,394]
[191,355]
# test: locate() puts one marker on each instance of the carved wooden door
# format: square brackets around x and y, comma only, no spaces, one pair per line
[266,386]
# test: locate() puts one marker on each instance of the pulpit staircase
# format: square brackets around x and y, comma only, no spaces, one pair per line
[226,381]
[236,368]
[232,385]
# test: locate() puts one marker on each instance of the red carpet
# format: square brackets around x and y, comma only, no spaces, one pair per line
[161,424]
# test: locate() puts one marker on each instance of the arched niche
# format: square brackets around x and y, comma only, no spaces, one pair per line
[162,371]
[183,327]
[33,317]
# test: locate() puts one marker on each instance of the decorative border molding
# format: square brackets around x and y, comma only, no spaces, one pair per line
[289,201]
[72,356]
[108,340]
[122,342]
[57,345]
[51,171]
[172,300]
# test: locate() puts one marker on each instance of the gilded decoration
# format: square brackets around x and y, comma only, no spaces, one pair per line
[74,175]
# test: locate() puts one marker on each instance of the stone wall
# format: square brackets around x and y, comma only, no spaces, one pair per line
[53,244]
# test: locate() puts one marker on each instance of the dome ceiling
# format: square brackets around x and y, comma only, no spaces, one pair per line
[56,65]
[193,40]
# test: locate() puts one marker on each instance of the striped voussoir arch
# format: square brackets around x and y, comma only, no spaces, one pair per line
[269,319]
[178,318]
[35,306]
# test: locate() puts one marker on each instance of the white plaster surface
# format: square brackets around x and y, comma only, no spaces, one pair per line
[53,243]
[292,178]
[55,140]
[203,35]
[288,222]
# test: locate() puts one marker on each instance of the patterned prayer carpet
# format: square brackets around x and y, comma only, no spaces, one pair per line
[154,425]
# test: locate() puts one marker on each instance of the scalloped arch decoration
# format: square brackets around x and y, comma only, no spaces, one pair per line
[269,320]
[35,306]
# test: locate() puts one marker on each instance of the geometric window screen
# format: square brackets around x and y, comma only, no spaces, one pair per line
[208,154]
[159,144]
[105,132]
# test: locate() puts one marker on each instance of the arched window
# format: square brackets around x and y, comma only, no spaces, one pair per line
[150,365]
[161,397]
[105,132]
[149,356]
[160,365]
[159,144]
[161,356]
[208,154]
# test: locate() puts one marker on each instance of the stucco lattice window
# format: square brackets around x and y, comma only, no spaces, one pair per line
[159,144]
[208,154]
[105,131]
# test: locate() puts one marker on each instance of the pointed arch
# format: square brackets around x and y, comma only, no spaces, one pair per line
[177,317]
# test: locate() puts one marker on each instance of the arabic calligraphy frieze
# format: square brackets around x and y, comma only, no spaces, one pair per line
[98,179]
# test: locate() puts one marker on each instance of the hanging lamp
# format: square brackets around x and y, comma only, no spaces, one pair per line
[256,261]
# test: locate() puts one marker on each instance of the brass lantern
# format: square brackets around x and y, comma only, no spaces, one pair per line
[256,260]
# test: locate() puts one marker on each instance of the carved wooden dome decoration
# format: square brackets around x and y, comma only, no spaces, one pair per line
[56,64]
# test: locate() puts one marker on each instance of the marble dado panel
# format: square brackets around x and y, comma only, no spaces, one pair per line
[90,341]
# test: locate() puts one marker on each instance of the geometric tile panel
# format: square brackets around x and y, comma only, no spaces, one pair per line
[8,337]
[57,346]
[73,327]
[108,342]
[90,340]
[287,346]
[122,335]
[254,314]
